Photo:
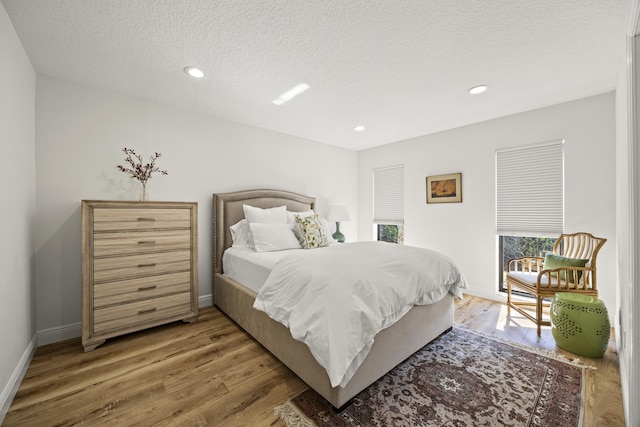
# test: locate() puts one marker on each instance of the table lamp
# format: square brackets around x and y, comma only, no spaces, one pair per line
[337,214]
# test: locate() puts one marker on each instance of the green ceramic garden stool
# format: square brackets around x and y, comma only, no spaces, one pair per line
[580,324]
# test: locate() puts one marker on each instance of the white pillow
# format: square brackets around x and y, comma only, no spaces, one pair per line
[327,231]
[291,216]
[240,234]
[273,237]
[271,215]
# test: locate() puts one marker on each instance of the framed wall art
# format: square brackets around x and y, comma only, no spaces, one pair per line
[444,188]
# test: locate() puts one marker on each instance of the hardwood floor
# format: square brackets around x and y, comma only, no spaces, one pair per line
[210,373]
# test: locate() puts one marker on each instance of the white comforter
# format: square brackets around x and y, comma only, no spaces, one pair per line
[336,299]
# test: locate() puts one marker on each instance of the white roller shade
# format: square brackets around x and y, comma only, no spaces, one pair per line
[388,195]
[530,190]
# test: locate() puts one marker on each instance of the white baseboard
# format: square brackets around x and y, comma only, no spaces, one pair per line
[205,300]
[59,333]
[74,330]
[12,386]
[44,337]
[483,293]
[502,297]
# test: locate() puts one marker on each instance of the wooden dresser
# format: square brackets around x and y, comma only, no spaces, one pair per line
[139,266]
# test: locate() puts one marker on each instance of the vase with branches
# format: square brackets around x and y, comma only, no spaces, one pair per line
[138,169]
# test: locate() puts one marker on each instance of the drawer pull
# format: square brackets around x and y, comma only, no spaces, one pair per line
[147,288]
[150,264]
[146,242]
[142,218]
[149,310]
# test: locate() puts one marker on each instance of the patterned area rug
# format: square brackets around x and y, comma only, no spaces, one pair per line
[460,379]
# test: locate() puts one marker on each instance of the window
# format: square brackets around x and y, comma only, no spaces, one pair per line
[388,203]
[391,233]
[518,246]
[529,201]
[530,190]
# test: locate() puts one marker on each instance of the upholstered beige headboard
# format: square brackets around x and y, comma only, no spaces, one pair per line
[227,210]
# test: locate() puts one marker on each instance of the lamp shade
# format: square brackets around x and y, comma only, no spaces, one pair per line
[338,213]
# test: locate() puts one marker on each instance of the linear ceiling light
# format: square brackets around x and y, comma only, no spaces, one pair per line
[291,93]
[478,89]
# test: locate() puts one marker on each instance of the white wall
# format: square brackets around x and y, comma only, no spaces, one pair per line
[466,231]
[624,220]
[628,217]
[80,134]
[17,211]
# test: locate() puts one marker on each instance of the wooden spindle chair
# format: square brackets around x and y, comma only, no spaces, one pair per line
[529,274]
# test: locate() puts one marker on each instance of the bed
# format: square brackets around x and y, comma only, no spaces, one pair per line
[391,346]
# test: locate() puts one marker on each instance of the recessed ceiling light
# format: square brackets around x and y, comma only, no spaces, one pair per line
[294,91]
[478,89]
[359,128]
[194,72]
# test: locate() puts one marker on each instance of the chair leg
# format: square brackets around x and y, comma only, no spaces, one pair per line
[538,314]
[508,297]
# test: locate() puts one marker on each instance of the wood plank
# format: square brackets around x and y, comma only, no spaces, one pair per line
[603,398]
[212,373]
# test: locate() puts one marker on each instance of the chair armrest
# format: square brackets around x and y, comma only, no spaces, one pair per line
[525,263]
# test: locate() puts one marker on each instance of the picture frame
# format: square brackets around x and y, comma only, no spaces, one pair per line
[444,188]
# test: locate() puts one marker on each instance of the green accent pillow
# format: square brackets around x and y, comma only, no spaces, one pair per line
[552,261]
[310,232]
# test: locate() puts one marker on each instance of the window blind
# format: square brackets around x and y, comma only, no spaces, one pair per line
[388,195]
[530,190]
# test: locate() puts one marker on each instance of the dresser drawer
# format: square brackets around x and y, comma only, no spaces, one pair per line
[132,242]
[109,219]
[136,313]
[124,291]
[111,269]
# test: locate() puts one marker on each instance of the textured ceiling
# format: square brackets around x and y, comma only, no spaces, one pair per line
[400,68]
